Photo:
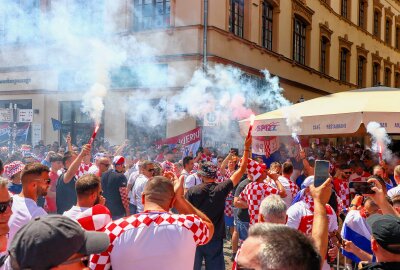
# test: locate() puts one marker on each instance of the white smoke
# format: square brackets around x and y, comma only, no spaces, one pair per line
[380,139]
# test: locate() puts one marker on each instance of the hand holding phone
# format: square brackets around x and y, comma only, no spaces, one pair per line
[321,172]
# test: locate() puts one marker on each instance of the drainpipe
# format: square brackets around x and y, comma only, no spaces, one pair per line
[205,23]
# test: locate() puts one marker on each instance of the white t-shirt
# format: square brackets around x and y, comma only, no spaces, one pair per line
[24,210]
[394,191]
[74,212]
[286,185]
[131,181]
[152,240]
[93,169]
[137,191]
[192,180]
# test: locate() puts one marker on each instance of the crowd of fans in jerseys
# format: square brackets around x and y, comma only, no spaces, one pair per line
[146,207]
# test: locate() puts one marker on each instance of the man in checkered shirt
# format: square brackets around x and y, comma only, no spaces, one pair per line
[156,238]
[290,187]
[257,190]
[341,184]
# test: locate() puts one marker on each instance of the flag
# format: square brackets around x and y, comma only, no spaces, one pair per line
[356,229]
[57,125]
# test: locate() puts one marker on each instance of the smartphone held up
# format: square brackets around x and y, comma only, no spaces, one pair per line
[321,172]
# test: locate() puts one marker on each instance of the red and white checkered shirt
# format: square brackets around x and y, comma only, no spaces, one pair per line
[253,194]
[228,211]
[342,190]
[83,169]
[152,240]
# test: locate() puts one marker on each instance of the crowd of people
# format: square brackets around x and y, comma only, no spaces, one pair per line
[123,208]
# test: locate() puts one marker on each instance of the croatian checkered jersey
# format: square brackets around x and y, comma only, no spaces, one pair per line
[343,191]
[83,169]
[253,194]
[301,216]
[152,240]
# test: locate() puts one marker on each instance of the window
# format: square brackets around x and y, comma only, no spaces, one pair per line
[397,80]
[151,14]
[20,22]
[361,71]
[361,14]
[299,41]
[397,37]
[377,23]
[88,17]
[388,73]
[267,17]
[376,68]
[344,61]
[345,9]
[78,123]
[236,18]
[388,31]
[324,55]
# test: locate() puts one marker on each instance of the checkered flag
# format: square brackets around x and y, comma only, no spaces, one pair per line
[255,169]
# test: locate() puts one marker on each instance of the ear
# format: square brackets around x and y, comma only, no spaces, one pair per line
[374,245]
[171,205]
[261,218]
[143,199]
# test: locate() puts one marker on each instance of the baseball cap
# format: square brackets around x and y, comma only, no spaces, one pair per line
[118,160]
[208,169]
[386,231]
[48,241]
[308,181]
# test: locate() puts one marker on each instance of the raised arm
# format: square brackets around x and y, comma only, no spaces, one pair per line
[237,175]
[71,171]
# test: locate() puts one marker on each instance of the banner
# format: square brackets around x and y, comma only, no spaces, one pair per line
[22,132]
[265,146]
[189,141]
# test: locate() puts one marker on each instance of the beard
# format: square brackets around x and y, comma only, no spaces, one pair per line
[97,201]
[41,191]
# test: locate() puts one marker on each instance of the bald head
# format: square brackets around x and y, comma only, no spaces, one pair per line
[159,190]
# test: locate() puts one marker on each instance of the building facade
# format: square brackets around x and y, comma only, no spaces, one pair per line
[315,47]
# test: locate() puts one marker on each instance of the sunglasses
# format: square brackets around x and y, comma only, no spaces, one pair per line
[47,181]
[5,205]
[347,172]
[151,170]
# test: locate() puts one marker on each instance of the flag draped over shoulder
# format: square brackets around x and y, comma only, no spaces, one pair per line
[356,229]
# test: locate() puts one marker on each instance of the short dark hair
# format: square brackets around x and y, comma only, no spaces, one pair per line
[344,166]
[186,160]
[159,190]
[55,157]
[396,200]
[287,168]
[34,168]
[67,156]
[284,248]
[87,184]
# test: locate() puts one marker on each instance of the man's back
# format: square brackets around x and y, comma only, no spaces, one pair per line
[152,240]
[65,194]
[210,199]
[111,182]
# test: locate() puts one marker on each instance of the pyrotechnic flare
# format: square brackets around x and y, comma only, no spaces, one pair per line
[380,141]
[96,129]
[297,140]
[252,118]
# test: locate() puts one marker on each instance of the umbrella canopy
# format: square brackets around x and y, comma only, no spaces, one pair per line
[339,113]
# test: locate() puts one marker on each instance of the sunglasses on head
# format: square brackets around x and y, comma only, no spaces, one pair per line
[4,205]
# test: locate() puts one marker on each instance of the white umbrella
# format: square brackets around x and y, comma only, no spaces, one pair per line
[339,113]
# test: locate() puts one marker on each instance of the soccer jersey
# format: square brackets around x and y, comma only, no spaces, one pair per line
[290,188]
[301,216]
[152,240]
[342,190]
[253,194]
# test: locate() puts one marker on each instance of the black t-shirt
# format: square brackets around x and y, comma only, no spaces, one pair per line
[111,182]
[65,194]
[382,266]
[210,199]
[243,213]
